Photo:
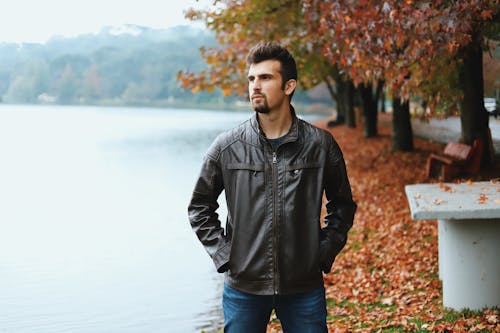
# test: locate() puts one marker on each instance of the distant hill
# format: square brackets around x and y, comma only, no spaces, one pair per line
[120,65]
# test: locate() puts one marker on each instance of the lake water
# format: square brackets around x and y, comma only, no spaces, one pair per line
[94,235]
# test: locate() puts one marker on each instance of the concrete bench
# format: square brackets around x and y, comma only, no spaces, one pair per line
[469,239]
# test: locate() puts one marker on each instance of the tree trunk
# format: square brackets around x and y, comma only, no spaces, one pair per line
[332,92]
[402,134]
[341,107]
[369,103]
[345,90]
[343,96]
[473,115]
[382,101]
[350,117]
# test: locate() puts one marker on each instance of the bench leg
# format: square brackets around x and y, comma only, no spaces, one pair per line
[433,168]
[447,173]
[469,260]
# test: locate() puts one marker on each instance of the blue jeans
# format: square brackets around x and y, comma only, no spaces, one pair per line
[298,313]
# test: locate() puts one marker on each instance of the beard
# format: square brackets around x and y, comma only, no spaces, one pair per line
[261,107]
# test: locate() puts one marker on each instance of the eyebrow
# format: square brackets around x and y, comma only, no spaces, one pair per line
[250,76]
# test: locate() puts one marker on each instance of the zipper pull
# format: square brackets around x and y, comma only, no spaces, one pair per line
[275,159]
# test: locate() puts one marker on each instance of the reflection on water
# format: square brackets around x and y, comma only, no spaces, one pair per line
[94,235]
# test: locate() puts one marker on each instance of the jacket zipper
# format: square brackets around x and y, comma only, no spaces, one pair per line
[275,221]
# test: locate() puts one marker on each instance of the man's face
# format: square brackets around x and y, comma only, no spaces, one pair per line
[265,86]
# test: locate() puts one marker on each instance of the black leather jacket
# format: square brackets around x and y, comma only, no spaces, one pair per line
[273,242]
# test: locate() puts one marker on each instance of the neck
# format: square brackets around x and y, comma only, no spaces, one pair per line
[276,124]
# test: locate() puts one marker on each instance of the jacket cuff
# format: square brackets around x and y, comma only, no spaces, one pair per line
[328,253]
[221,258]
[326,266]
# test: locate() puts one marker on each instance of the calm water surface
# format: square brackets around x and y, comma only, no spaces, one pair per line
[94,235]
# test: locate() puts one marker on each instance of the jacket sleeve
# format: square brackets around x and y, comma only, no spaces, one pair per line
[203,206]
[340,208]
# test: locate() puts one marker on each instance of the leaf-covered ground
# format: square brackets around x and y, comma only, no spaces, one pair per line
[386,278]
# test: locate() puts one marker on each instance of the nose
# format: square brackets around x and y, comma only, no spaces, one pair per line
[256,84]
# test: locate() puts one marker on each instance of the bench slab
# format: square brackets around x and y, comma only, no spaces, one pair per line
[479,200]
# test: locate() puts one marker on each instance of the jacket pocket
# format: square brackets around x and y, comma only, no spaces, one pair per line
[245,166]
[295,169]
[304,178]
[244,177]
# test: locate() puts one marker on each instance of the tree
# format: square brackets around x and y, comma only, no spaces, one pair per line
[473,115]
[241,24]
[31,81]
[147,87]
[91,88]
[66,86]
[408,43]
[370,95]
[402,132]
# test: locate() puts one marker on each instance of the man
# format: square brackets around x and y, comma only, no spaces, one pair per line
[274,169]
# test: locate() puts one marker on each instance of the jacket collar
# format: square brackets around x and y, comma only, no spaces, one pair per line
[292,134]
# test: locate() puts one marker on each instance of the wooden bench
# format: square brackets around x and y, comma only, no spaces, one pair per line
[457,158]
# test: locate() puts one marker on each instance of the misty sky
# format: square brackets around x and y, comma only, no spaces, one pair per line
[38,20]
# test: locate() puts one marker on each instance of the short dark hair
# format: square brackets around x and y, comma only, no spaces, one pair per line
[274,51]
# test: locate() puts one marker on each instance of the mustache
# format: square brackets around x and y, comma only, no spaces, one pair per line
[257,95]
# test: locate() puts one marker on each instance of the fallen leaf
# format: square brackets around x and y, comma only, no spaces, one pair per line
[388,301]
[483,198]
[446,188]
[438,202]
[492,319]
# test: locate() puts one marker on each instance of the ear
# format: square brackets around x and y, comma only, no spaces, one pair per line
[290,86]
